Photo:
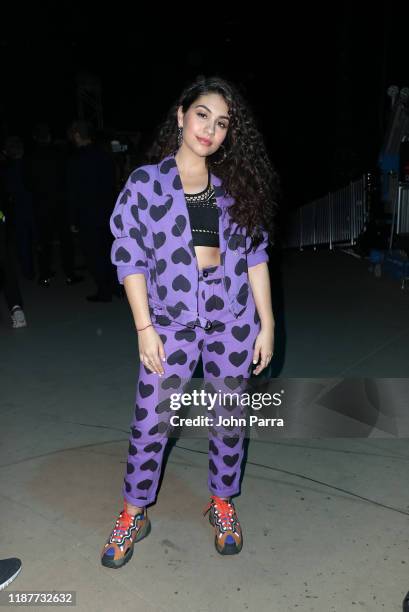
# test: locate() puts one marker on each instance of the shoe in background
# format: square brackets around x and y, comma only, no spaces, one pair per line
[18,318]
[9,570]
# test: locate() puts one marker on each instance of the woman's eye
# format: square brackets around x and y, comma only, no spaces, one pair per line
[223,125]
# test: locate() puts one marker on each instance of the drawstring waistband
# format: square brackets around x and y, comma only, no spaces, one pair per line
[187,317]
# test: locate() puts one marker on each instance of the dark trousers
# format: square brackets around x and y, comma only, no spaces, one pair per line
[24,235]
[51,221]
[96,245]
[8,268]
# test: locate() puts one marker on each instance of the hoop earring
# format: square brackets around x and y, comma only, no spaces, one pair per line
[220,161]
[180,136]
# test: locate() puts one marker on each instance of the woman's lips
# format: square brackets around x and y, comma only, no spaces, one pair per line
[204,141]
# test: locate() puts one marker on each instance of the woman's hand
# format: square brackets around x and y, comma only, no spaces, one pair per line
[151,351]
[263,348]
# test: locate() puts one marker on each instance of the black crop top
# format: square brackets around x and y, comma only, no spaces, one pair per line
[204,217]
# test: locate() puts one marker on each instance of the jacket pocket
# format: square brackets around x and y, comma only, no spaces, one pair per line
[172,313]
[240,301]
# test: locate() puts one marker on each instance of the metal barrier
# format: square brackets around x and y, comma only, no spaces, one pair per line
[402,217]
[335,219]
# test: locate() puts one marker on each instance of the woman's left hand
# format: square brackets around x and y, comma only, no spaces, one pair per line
[263,349]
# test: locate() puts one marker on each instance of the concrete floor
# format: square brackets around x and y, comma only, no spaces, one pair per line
[325,519]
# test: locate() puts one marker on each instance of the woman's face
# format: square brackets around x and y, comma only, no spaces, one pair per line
[205,124]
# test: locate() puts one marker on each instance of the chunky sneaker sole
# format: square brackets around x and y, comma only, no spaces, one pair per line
[9,570]
[222,516]
[119,548]
[228,548]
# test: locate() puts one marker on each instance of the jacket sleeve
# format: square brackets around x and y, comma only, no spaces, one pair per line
[128,252]
[259,255]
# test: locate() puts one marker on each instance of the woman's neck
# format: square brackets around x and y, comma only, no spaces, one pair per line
[189,164]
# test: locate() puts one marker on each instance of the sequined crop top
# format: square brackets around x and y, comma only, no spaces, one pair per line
[203,215]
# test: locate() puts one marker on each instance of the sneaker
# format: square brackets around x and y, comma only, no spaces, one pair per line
[18,318]
[128,529]
[228,539]
[9,569]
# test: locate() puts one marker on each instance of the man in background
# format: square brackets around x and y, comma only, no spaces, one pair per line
[91,192]
[45,174]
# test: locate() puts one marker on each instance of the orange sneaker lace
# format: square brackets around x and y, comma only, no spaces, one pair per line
[122,524]
[224,509]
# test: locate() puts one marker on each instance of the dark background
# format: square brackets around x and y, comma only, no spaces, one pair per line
[316,79]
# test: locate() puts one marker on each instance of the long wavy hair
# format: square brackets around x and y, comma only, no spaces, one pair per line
[247,174]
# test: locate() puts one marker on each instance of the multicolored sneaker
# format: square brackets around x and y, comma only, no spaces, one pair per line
[223,517]
[128,529]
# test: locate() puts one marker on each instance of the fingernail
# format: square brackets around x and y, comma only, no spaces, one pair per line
[254,361]
[163,358]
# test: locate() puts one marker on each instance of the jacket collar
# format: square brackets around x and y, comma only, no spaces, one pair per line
[168,166]
[169,184]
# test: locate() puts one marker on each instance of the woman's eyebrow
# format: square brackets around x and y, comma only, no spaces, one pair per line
[209,111]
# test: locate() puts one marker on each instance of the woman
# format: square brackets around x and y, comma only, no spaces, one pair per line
[191,231]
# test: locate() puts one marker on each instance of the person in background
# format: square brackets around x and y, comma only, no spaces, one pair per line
[45,172]
[22,203]
[91,189]
[8,268]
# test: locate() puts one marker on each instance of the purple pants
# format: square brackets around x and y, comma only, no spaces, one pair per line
[227,353]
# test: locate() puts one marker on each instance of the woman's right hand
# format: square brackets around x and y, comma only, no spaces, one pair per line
[151,351]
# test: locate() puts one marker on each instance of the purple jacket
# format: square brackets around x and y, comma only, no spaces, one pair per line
[153,236]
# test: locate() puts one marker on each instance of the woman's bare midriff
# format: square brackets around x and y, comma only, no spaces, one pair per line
[207,256]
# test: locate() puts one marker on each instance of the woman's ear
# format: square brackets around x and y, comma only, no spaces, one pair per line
[180,116]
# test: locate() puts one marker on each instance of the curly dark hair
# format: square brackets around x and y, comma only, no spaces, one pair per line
[247,174]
